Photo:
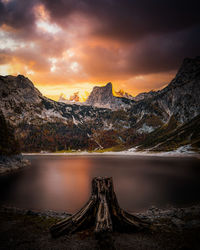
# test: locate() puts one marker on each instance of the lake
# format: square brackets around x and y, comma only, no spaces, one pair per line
[63,183]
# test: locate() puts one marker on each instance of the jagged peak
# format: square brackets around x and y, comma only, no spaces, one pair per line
[22,76]
[109,84]
[189,70]
[21,85]
[190,64]
[188,59]
[101,96]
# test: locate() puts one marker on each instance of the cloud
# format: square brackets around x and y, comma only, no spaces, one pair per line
[164,52]
[129,20]
[92,40]
[17,14]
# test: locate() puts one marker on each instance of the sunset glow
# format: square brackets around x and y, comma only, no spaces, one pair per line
[66,48]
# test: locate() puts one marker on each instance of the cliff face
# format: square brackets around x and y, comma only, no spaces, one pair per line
[105,120]
[20,88]
[103,97]
[181,97]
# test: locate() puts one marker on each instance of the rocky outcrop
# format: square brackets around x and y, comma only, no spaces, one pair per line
[181,98]
[103,97]
[21,88]
[12,163]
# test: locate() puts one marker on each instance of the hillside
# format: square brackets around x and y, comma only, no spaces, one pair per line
[170,137]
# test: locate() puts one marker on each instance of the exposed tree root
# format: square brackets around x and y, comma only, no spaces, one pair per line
[102,212]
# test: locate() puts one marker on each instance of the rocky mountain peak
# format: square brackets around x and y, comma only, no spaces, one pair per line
[109,85]
[101,96]
[20,87]
[188,71]
[104,89]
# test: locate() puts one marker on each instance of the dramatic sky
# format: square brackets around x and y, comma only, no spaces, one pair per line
[65,46]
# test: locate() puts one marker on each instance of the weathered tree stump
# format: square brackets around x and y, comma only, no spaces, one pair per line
[102,212]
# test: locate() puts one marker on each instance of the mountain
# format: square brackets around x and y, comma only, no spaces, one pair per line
[43,124]
[103,97]
[73,99]
[104,121]
[63,99]
[180,98]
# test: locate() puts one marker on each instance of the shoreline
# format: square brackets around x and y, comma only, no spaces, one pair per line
[12,164]
[120,153]
[178,216]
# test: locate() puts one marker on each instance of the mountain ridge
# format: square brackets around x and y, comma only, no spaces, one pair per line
[43,124]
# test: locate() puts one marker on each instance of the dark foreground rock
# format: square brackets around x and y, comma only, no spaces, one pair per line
[174,228]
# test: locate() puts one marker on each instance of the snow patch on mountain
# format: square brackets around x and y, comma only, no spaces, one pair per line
[145,129]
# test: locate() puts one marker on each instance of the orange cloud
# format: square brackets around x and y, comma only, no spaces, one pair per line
[66,47]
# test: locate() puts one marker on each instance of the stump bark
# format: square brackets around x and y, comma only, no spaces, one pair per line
[102,213]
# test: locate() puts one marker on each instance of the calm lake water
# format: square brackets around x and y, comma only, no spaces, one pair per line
[63,182]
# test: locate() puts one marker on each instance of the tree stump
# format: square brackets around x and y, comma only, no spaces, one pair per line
[102,212]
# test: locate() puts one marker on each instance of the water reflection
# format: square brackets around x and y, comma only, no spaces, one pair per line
[63,183]
[61,179]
